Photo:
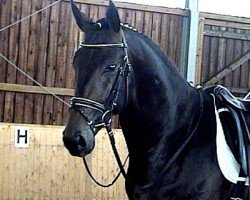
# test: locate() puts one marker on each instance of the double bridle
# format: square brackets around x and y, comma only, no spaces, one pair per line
[106,110]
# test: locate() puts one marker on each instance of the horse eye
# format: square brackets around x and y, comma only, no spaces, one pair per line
[111,67]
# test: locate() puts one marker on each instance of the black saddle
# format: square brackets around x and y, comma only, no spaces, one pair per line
[226,96]
[238,113]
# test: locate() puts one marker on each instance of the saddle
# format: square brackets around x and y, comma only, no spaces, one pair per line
[238,110]
[226,96]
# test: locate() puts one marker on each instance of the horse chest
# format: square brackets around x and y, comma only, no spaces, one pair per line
[188,178]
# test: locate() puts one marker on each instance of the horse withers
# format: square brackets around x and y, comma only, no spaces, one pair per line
[169,126]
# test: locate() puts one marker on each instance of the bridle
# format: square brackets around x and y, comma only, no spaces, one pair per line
[106,110]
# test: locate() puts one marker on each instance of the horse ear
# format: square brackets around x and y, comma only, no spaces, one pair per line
[113,17]
[83,22]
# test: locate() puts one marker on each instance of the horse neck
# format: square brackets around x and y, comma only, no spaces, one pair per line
[163,107]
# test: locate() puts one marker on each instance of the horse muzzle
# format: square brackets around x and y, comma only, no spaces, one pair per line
[79,144]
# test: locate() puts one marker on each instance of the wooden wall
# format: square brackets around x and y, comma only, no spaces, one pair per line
[46,170]
[43,46]
[224,52]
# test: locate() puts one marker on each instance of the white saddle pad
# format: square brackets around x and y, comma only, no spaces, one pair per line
[229,167]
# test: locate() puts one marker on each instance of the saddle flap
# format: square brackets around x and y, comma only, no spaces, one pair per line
[237,116]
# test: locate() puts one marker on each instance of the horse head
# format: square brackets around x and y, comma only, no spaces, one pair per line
[101,67]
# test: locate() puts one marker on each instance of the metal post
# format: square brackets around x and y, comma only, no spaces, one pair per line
[193,39]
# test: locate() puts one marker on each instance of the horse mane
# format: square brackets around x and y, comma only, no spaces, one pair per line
[153,45]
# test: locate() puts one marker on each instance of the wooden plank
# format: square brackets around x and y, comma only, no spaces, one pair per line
[229,57]
[226,34]
[33,167]
[41,61]
[156,28]
[101,12]
[173,38]
[221,55]
[5,164]
[179,42]
[198,78]
[14,40]
[130,17]
[184,46]
[165,32]
[30,172]
[148,20]
[225,18]
[93,12]
[18,185]
[245,67]
[70,170]
[61,61]
[239,25]
[22,60]
[229,69]
[120,13]
[11,168]
[49,162]
[139,16]
[71,45]
[32,63]
[35,89]
[2,130]
[53,177]
[4,48]
[13,56]
[51,62]
[237,54]
[205,59]
[213,54]
[157,9]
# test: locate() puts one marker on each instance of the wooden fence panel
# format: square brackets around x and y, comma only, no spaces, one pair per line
[226,42]
[45,170]
[44,44]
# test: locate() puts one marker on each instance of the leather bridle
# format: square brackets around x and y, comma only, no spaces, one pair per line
[106,110]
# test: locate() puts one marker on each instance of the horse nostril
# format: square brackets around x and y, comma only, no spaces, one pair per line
[81,143]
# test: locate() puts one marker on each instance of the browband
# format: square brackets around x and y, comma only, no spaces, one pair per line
[119,45]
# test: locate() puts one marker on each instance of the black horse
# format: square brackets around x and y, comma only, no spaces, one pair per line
[169,126]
